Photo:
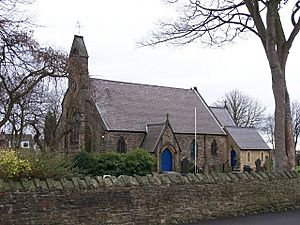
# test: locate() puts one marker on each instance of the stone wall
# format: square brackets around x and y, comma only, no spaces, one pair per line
[153,199]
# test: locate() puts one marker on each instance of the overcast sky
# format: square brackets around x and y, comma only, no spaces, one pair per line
[111,28]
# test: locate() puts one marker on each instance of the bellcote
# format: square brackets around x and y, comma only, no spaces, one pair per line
[78,65]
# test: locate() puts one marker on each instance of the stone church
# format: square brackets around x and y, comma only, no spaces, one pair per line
[103,115]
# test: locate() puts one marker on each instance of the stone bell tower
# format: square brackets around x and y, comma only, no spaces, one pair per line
[73,129]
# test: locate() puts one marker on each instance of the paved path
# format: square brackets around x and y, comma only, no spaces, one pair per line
[283,218]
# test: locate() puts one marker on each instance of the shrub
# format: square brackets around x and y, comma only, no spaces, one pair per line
[86,163]
[12,166]
[111,163]
[139,162]
[50,165]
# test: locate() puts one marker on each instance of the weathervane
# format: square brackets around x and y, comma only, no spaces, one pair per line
[78,25]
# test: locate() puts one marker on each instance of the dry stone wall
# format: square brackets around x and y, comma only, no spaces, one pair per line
[152,199]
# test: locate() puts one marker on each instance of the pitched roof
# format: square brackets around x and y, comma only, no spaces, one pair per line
[78,47]
[247,138]
[130,107]
[222,116]
[154,131]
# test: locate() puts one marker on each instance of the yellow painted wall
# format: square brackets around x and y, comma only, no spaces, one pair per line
[254,155]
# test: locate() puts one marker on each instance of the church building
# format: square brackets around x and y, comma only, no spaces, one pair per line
[103,115]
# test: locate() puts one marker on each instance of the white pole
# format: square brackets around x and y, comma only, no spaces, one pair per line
[195,146]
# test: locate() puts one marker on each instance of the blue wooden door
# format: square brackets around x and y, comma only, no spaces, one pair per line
[233,158]
[166,160]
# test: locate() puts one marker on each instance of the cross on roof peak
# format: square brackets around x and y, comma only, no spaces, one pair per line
[79,26]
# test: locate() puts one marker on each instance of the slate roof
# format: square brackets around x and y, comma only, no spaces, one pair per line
[130,107]
[247,138]
[154,131]
[78,47]
[223,116]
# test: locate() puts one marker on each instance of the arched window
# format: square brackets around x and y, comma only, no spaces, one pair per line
[248,157]
[214,147]
[192,149]
[75,128]
[121,145]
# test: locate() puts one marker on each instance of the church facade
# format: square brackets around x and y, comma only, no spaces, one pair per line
[102,115]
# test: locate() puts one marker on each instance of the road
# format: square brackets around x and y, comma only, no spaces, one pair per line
[282,218]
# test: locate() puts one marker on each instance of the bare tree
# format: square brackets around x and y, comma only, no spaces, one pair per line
[216,22]
[268,129]
[296,120]
[24,64]
[245,111]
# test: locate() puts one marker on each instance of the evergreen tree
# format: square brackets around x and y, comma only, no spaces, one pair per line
[49,128]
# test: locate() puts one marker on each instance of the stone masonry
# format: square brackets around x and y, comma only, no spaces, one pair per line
[152,199]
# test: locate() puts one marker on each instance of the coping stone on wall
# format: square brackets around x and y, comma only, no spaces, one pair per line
[153,180]
[215,176]
[224,177]
[294,174]
[100,181]
[270,175]
[108,182]
[128,181]
[76,182]
[55,185]
[289,174]
[67,184]
[118,182]
[15,185]
[210,178]
[27,184]
[41,185]
[192,178]
[175,178]
[256,176]
[184,179]
[142,180]
[242,176]
[233,177]
[91,182]
[202,178]
[264,175]
[164,179]
[82,184]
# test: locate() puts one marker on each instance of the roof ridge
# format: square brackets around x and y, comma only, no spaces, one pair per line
[242,127]
[140,84]
[216,107]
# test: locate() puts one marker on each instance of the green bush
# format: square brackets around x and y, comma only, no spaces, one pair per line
[110,163]
[139,162]
[86,163]
[50,165]
[12,166]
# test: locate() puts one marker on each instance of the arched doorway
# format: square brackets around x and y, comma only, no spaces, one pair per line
[233,158]
[166,160]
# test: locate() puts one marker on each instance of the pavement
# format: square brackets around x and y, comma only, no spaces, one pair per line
[277,218]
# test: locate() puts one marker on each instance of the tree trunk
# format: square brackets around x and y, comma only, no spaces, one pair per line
[278,85]
[289,136]
[284,151]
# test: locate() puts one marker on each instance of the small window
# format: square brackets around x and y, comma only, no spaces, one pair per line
[25,144]
[214,147]
[262,156]
[192,149]
[75,128]
[248,157]
[121,145]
